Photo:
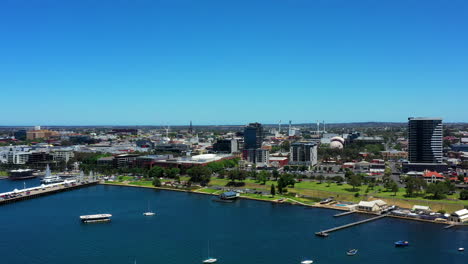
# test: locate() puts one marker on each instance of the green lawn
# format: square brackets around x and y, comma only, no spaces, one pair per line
[318,191]
[208,190]
[142,183]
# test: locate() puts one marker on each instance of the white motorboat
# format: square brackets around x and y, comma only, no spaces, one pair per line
[210,259]
[461,249]
[149,212]
[307,261]
[49,178]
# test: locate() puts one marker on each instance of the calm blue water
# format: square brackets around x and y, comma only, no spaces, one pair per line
[47,230]
[8,185]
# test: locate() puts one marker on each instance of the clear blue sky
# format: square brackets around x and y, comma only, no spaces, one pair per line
[149,62]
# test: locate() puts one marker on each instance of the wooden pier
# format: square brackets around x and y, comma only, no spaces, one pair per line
[45,191]
[345,213]
[325,233]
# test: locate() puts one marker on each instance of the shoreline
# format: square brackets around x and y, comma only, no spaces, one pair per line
[288,201]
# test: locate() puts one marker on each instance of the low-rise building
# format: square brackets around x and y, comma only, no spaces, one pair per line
[432,176]
[460,216]
[36,134]
[62,154]
[394,154]
[421,208]
[372,206]
[197,160]
[278,161]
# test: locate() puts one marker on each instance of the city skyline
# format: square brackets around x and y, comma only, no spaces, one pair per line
[149,63]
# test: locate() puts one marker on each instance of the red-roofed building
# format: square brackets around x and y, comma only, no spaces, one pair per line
[432,176]
[455,179]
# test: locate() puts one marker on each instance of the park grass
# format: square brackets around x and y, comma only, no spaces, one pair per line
[142,183]
[262,197]
[208,190]
[310,191]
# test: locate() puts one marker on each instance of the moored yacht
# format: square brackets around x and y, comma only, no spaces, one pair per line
[95,218]
[49,178]
[401,243]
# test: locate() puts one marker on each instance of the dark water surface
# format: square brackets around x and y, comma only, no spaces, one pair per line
[47,230]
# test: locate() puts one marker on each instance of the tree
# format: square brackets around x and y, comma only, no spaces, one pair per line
[329,181]
[388,171]
[338,179]
[464,195]
[216,166]
[263,176]
[414,186]
[320,178]
[280,189]
[348,174]
[156,171]
[438,190]
[275,174]
[199,174]
[394,188]
[272,190]
[233,175]
[410,187]
[355,181]
[156,182]
[287,180]
[172,173]
[285,145]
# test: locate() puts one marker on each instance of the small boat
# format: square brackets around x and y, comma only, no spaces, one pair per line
[401,243]
[461,249]
[95,218]
[351,252]
[210,259]
[149,212]
[308,261]
[321,234]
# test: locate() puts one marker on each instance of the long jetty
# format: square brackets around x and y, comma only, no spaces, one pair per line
[345,213]
[325,233]
[45,190]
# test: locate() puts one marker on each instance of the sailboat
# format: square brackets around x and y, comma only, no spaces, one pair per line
[209,259]
[148,213]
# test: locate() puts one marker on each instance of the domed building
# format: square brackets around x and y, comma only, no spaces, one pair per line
[337,143]
[340,139]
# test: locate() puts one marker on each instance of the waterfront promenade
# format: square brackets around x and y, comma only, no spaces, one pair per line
[43,190]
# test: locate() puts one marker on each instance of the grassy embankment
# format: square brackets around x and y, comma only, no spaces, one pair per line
[343,192]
